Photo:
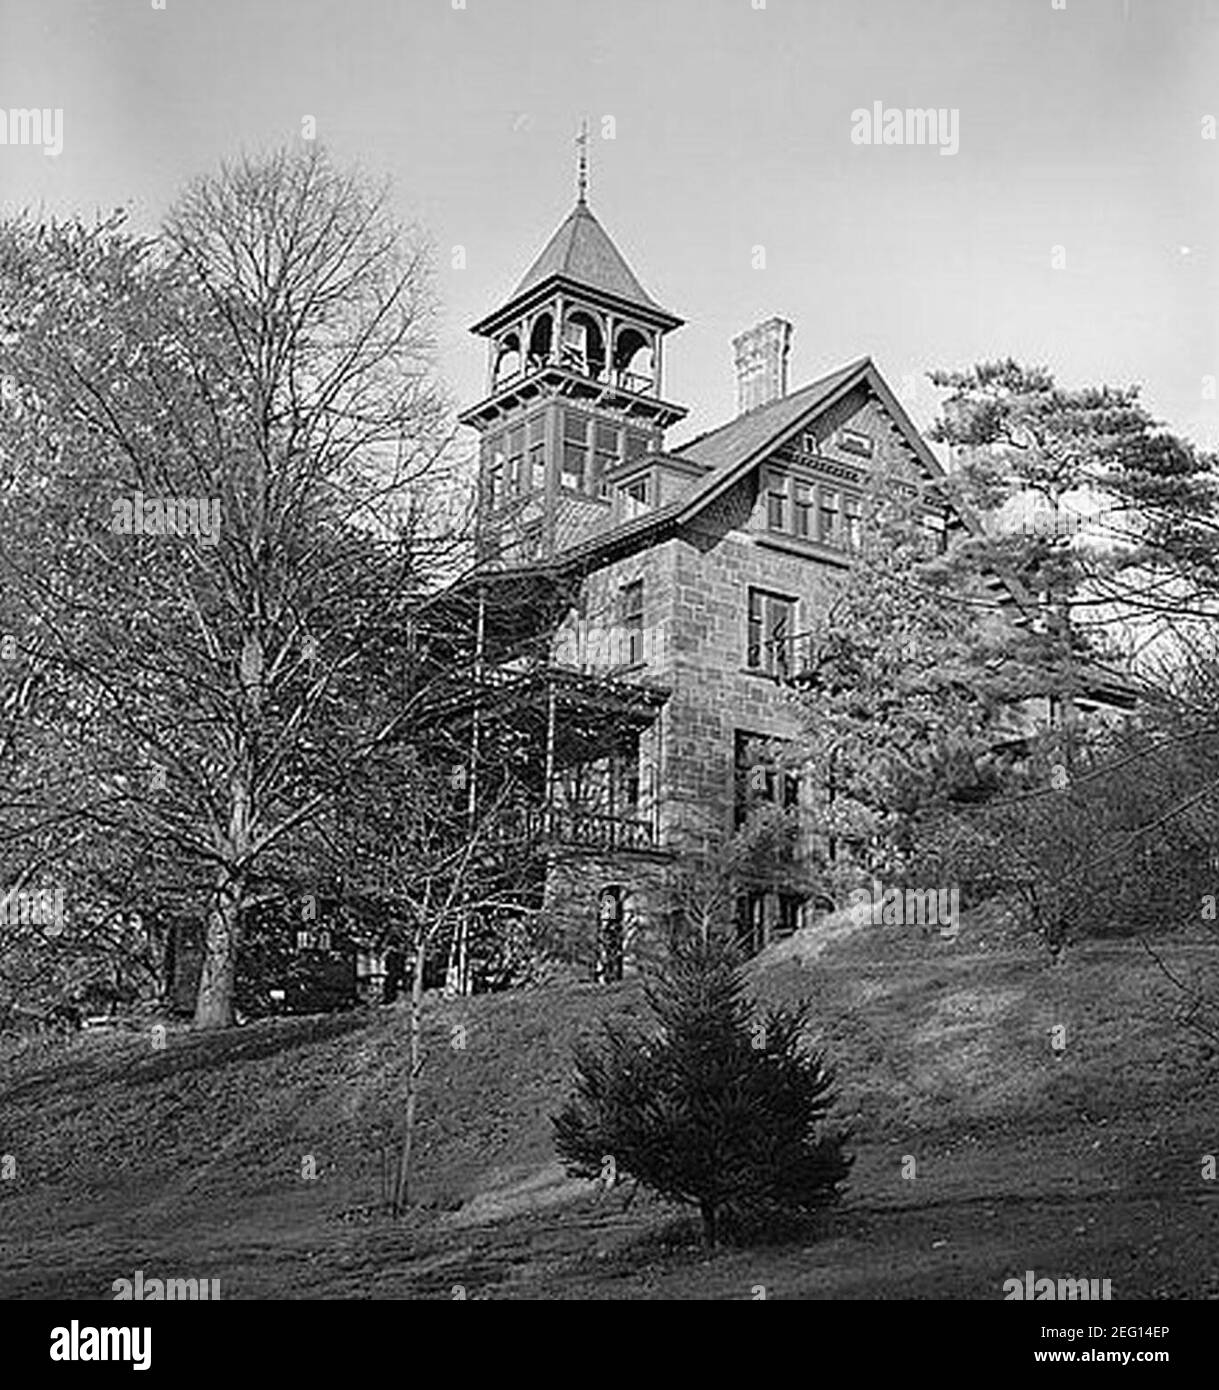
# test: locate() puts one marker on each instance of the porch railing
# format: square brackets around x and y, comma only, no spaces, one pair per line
[575,827]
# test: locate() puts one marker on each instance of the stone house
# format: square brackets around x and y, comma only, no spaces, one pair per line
[686,574]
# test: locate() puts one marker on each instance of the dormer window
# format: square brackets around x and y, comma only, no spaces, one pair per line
[776,502]
[856,442]
[636,498]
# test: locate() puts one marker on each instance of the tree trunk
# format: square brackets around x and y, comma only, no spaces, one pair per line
[707,1210]
[214,1003]
[402,1192]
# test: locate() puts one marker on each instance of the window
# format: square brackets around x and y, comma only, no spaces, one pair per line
[855,442]
[751,922]
[771,633]
[761,775]
[575,451]
[776,502]
[827,531]
[938,532]
[537,453]
[516,459]
[624,777]
[495,486]
[531,540]
[804,511]
[631,597]
[852,525]
[635,495]
[636,445]
[605,455]
[808,442]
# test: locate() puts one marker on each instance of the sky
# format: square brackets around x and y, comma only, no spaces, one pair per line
[1074,226]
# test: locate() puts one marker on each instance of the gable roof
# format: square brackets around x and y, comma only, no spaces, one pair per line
[761,429]
[735,449]
[583,253]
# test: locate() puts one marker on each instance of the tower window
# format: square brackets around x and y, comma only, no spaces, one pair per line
[537,452]
[583,345]
[605,456]
[508,359]
[636,445]
[575,451]
[516,458]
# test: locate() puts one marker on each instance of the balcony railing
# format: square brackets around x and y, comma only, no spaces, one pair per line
[574,360]
[576,828]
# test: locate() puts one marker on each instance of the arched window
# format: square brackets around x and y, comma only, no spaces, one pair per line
[634,363]
[583,344]
[541,337]
[508,359]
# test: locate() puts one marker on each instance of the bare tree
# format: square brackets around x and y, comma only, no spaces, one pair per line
[239,452]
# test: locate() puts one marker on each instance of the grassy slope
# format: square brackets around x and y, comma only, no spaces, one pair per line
[187,1160]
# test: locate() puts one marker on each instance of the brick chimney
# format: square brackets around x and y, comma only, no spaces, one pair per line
[761,363]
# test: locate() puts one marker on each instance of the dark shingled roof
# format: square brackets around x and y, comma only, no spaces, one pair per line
[741,438]
[581,251]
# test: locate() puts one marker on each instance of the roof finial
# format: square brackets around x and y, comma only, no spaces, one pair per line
[582,163]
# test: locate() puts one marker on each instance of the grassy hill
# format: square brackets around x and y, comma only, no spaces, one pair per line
[187,1160]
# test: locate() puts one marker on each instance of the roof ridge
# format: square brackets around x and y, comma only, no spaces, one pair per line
[753,414]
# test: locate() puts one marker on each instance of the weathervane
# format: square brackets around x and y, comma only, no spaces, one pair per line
[582,163]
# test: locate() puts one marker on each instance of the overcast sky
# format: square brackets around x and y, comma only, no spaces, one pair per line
[1080,128]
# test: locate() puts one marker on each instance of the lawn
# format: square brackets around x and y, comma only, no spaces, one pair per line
[982,1148]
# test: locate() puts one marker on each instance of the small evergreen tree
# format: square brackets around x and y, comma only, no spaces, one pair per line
[716,1108]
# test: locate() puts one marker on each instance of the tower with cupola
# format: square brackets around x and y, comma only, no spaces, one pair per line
[574,403]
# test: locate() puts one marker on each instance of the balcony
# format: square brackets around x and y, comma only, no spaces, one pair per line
[574,828]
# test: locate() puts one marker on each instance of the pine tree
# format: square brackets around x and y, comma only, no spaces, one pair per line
[715,1107]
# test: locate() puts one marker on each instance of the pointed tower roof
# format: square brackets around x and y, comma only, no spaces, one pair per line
[581,254]
[581,251]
